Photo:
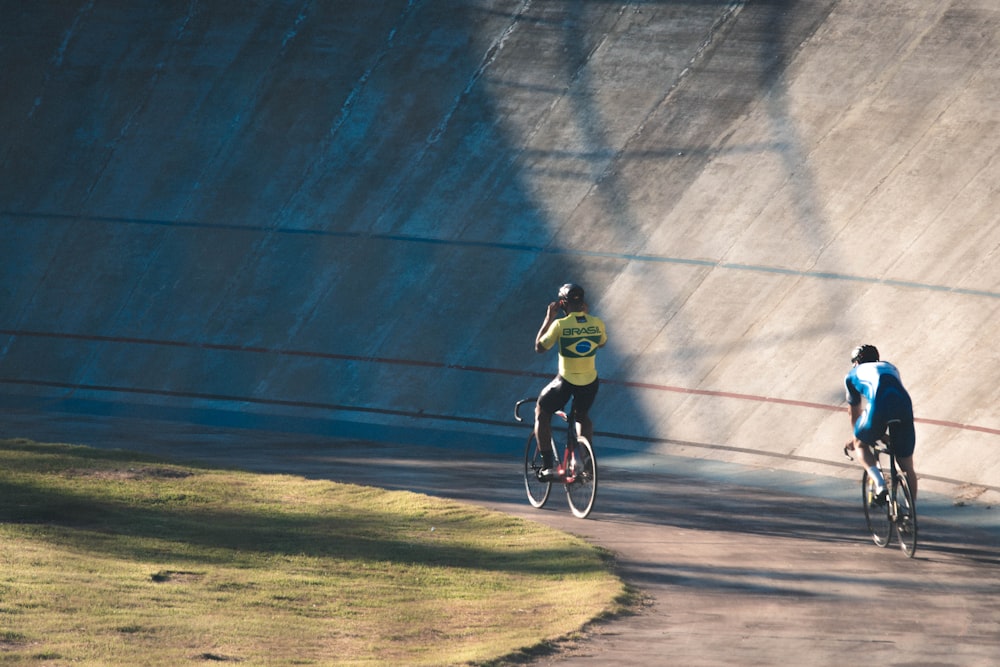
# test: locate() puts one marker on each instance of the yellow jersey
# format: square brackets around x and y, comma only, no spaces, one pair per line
[579,335]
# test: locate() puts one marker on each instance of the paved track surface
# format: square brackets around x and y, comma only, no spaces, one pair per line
[732,573]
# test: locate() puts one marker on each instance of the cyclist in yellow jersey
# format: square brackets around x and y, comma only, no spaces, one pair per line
[578,335]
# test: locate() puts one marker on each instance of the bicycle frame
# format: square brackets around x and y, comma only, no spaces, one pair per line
[882,448]
[899,510]
[565,475]
[893,485]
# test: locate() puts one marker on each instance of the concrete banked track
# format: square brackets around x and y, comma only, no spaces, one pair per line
[348,217]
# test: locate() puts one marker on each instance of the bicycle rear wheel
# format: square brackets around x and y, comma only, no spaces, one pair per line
[582,491]
[538,490]
[876,515]
[906,517]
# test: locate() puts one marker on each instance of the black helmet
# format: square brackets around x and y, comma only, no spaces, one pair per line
[571,292]
[862,354]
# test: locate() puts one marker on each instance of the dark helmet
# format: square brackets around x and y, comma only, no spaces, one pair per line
[862,354]
[571,292]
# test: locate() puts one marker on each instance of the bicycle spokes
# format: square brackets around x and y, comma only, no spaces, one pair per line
[581,479]
[905,517]
[537,489]
[876,512]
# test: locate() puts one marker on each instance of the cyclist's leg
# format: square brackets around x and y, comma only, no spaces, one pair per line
[903,442]
[543,429]
[866,458]
[866,432]
[864,453]
[553,398]
[583,400]
[905,464]
[584,426]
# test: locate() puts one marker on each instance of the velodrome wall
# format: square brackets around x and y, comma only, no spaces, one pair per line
[349,217]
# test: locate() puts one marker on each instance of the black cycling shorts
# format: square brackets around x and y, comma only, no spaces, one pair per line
[558,392]
[891,410]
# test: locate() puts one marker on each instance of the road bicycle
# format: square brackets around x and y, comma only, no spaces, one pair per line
[897,509]
[576,470]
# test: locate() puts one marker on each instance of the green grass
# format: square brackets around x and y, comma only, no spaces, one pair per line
[115,558]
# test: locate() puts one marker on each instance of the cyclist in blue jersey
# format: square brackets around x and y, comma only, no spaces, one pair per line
[578,335]
[876,396]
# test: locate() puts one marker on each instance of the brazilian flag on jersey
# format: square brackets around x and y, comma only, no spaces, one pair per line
[579,335]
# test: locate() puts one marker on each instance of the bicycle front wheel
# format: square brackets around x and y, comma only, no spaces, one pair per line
[538,490]
[876,515]
[581,484]
[906,517]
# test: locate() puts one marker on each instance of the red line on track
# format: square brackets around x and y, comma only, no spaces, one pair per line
[431,364]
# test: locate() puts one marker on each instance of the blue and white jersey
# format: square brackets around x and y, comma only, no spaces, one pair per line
[871,380]
[878,382]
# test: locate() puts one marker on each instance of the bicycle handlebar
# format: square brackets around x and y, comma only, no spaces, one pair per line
[517,407]
[534,399]
[881,446]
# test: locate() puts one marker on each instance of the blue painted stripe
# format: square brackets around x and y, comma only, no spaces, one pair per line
[505,438]
[516,247]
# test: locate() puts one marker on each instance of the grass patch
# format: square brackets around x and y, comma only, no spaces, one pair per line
[116,558]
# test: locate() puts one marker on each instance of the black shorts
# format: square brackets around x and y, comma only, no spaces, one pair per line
[893,411]
[558,392]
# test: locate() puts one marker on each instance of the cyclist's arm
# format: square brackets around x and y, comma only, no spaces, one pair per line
[854,409]
[551,315]
[853,398]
